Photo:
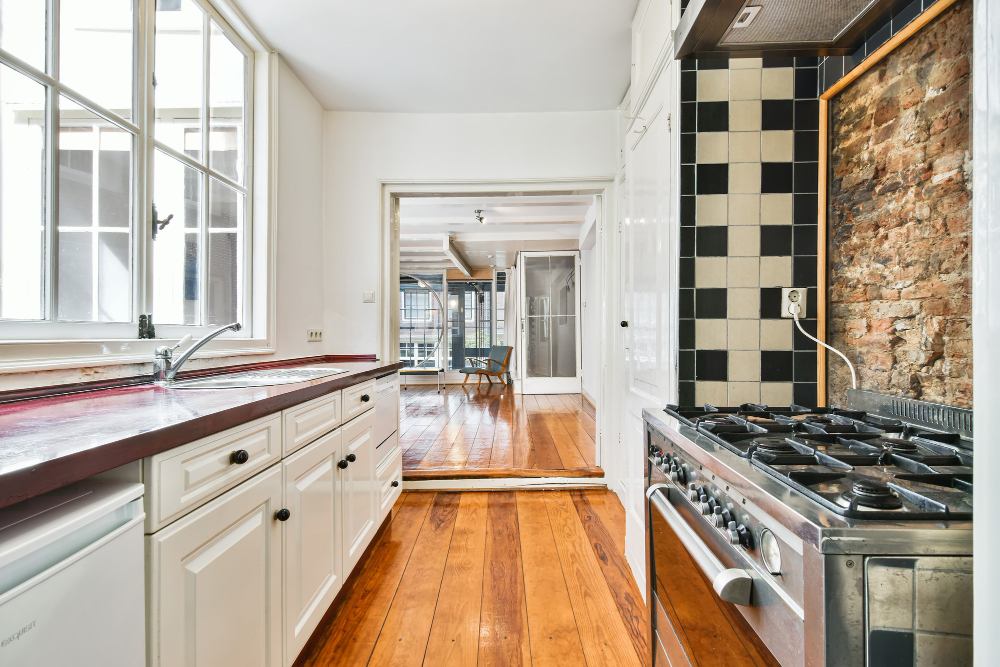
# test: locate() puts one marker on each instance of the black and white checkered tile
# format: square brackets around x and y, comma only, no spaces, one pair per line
[749,147]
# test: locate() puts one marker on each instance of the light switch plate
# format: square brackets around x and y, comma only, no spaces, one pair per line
[368,296]
[314,335]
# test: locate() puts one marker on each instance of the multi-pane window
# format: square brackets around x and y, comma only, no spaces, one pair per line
[82,172]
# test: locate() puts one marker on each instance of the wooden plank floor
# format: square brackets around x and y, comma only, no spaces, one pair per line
[488,431]
[491,578]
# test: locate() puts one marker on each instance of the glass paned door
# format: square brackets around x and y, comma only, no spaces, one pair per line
[550,331]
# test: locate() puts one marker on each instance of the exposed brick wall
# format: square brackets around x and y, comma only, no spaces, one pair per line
[900,220]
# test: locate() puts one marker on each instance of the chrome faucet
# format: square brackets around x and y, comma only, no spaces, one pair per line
[164,368]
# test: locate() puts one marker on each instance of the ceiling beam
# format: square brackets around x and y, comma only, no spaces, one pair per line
[456,257]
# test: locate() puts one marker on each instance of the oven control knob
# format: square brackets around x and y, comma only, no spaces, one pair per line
[717,519]
[704,506]
[693,492]
[675,472]
[745,536]
[734,534]
[727,516]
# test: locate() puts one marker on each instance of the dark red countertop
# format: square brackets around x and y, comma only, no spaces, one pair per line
[49,442]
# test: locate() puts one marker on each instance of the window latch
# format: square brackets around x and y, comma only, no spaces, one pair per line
[158,224]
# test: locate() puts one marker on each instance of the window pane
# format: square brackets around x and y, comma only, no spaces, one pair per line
[22,30]
[176,262]
[95,200]
[95,51]
[226,84]
[22,196]
[225,257]
[179,75]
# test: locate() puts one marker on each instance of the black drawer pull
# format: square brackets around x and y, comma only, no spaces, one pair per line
[351,458]
[282,514]
[341,464]
[239,457]
[395,482]
[365,398]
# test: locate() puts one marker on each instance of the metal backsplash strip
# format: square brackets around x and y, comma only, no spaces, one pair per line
[920,413]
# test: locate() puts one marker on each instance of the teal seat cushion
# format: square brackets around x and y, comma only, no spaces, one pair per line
[468,370]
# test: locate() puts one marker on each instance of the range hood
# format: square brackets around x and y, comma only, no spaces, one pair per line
[750,28]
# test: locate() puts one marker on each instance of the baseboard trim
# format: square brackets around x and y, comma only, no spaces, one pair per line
[420,474]
[505,484]
[589,404]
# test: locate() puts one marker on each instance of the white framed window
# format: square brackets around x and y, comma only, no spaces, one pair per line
[113,112]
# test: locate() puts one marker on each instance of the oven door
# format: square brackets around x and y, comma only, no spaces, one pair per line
[699,585]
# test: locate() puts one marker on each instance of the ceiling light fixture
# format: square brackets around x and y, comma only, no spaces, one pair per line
[479,216]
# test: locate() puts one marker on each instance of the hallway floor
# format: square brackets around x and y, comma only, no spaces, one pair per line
[491,578]
[488,431]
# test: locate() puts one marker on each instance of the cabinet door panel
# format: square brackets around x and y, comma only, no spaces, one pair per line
[360,488]
[215,582]
[304,423]
[312,573]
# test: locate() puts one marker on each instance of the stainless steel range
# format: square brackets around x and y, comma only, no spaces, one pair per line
[811,536]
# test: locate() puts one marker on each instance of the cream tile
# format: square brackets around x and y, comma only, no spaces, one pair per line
[744,335]
[710,392]
[777,83]
[775,146]
[711,210]
[890,597]
[744,116]
[744,209]
[709,271]
[776,334]
[710,334]
[941,650]
[743,392]
[713,147]
[744,84]
[744,177]
[942,601]
[744,241]
[776,393]
[743,302]
[776,209]
[743,272]
[744,146]
[775,271]
[713,85]
[744,366]
[746,63]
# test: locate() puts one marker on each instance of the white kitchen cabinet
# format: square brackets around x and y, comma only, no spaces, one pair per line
[360,491]
[304,423]
[386,406]
[313,564]
[652,47]
[215,582]
[358,399]
[388,474]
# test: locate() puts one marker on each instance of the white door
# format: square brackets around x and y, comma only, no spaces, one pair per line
[550,322]
[215,582]
[360,489]
[313,571]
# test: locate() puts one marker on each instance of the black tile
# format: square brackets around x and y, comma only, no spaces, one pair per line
[805,367]
[804,271]
[712,241]
[811,302]
[806,114]
[776,177]
[806,177]
[805,209]
[710,303]
[689,148]
[686,335]
[821,75]
[776,366]
[689,210]
[687,179]
[685,303]
[775,240]
[686,271]
[803,393]
[713,63]
[689,116]
[806,83]
[800,342]
[687,241]
[904,15]
[779,61]
[891,648]
[712,365]
[776,115]
[713,179]
[689,64]
[685,363]
[713,116]
[806,146]
[855,59]
[805,240]
[879,37]
[685,392]
[770,303]
[689,86]
[806,61]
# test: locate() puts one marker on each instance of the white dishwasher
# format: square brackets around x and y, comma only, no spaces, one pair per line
[72,585]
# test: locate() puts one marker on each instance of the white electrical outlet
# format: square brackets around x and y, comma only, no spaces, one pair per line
[790,295]
[314,335]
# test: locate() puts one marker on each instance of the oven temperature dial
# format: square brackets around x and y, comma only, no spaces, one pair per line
[769,551]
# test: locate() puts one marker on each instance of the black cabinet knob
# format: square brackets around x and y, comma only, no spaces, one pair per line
[365,398]
[395,482]
[282,514]
[351,458]
[624,324]
[341,464]
[239,457]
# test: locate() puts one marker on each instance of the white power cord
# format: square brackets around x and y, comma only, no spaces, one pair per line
[794,308]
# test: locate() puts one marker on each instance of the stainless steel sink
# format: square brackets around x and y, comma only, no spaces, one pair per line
[265,377]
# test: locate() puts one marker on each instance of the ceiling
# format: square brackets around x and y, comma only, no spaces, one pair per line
[453,55]
[442,231]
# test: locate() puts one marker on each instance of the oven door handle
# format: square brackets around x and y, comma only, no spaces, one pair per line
[730,584]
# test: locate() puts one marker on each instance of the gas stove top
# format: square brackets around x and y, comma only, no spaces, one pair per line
[853,463]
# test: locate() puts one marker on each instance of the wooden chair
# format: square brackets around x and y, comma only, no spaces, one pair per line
[496,365]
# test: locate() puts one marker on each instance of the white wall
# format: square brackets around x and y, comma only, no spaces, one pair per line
[362,149]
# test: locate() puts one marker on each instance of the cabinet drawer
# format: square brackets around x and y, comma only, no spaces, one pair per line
[179,480]
[304,423]
[389,447]
[358,399]
[389,478]
[386,406]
